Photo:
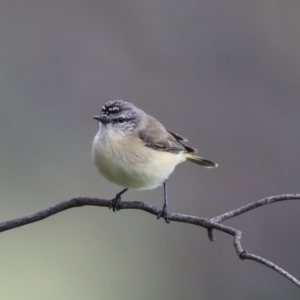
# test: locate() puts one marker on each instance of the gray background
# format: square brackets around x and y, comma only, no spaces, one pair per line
[224,74]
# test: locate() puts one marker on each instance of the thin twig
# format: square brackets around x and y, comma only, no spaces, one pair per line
[253,205]
[209,224]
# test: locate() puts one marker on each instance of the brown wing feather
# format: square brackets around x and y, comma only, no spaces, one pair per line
[178,137]
[169,142]
[155,135]
[181,140]
[154,142]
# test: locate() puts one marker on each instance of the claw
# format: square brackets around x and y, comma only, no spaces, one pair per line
[164,213]
[114,203]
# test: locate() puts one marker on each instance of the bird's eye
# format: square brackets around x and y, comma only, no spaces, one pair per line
[121,120]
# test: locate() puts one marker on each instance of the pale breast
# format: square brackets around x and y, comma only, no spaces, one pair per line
[127,162]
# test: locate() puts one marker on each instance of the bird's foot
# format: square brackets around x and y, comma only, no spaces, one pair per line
[114,203]
[164,213]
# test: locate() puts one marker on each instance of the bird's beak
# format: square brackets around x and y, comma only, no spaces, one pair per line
[102,118]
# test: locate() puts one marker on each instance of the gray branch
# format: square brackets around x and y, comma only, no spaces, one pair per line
[209,224]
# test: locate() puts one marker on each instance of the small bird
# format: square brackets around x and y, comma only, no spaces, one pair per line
[135,151]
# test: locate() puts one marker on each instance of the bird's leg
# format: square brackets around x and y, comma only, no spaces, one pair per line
[165,210]
[114,202]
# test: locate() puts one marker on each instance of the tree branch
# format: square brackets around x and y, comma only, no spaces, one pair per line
[209,224]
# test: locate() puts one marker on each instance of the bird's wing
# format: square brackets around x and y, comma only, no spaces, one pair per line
[182,140]
[178,137]
[167,141]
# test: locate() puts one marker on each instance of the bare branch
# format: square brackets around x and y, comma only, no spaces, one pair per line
[253,205]
[209,224]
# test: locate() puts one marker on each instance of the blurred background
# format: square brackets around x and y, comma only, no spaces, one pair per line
[224,74]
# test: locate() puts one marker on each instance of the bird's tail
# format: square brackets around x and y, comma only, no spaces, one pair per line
[200,161]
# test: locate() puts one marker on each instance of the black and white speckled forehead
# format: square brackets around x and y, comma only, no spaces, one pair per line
[115,107]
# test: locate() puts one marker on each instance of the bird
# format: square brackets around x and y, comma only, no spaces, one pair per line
[133,150]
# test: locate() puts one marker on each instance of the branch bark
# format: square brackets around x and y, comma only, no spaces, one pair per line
[209,223]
